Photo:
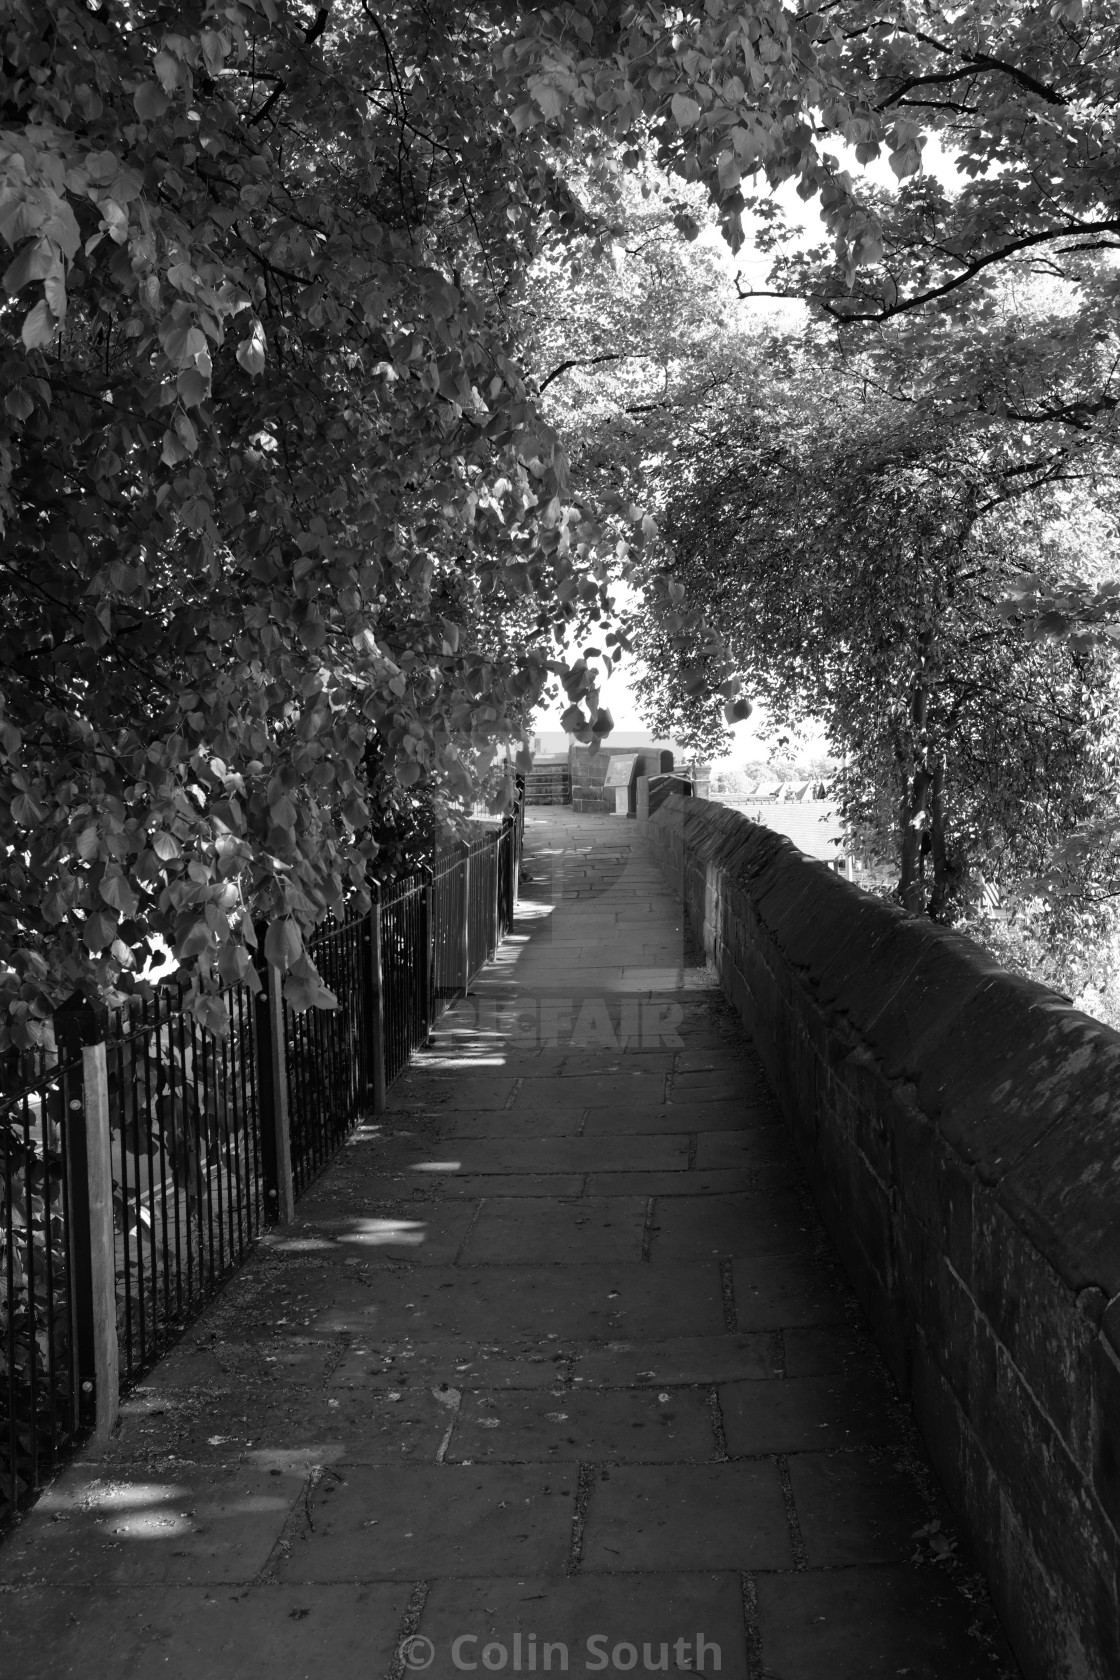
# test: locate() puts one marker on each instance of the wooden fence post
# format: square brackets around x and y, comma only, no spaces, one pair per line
[272,1085]
[375,997]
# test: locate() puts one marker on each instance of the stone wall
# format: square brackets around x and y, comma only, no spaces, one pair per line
[961,1130]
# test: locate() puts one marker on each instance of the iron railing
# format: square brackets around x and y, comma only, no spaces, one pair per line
[204,1137]
[404,914]
[187,1170]
[450,892]
[328,1051]
[41,1401]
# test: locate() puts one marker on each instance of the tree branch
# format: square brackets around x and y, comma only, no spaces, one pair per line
[969,272]
[581,361]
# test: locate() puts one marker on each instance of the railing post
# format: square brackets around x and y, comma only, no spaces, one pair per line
[518,845]
[102,1241]
[511,870]
[272,1083]
[496,919]
[375,1001]
[465,929]
[93,1240]
[427,954]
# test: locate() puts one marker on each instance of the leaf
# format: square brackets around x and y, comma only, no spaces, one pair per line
[283,943]
[99,930]
[151,102]
[172,452]
[685,110]
[549,97]
[34,262]
[39,327]
[251,352]
[211,1014]
[308,992]
[185,432]
[215,46]
[195,942]
[184,346]
[169,70]
[283,812]
[193,387]
[19,403]
[118,893]
[234,963]
[27,811]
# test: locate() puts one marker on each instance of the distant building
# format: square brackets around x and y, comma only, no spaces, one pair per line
[554,743]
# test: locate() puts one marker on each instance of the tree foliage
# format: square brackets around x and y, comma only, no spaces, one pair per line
[857,568]
[289,544]
[284,534]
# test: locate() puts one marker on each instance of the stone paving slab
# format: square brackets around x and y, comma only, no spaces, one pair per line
[868,1624]
[513,1232]
[200,1633]
[576,1154]
[683,1359]
[726,1516]
[798,1414]
[474,1186]
[788,1291]
[196,1524]
[575,1301]
[633,1119]
[548,1120]
[643,1424]
[585,1618]
[512,1363]
[391,1524]
[855,1508]
[555,1352]
[686,1183]
[764,1145]
[773,1223]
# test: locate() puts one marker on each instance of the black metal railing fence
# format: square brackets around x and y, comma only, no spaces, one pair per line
[404,914]
[328,1052]
[188,1180]
[41,1401]
[202,1138]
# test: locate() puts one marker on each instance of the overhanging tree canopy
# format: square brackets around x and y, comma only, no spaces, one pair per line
[273,484]
[857,568]
[286,537]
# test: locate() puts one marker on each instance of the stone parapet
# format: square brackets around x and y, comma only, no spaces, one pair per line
[961,1130]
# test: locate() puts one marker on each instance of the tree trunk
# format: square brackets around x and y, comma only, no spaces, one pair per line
[944,875]
[915,821]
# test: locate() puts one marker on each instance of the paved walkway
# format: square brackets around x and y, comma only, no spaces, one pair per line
[554,1362]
